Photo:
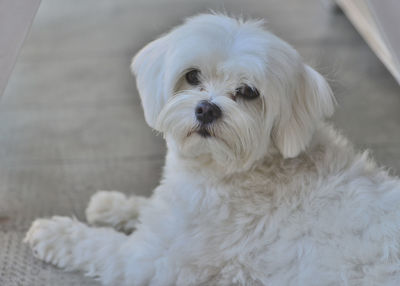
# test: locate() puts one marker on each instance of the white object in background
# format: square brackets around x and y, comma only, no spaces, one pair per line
[378,22]
[16,17]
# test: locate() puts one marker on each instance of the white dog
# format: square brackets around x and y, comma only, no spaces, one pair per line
[257,188]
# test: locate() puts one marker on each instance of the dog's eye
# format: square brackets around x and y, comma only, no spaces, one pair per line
[247,92]
[192,77]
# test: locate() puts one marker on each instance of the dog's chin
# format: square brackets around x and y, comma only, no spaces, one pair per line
[200,140]
[204,146]
[214,150]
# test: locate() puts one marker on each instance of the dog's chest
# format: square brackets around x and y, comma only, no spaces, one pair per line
[237,227]
[237,219]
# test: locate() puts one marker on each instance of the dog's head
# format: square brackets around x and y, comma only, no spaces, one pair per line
[229,89]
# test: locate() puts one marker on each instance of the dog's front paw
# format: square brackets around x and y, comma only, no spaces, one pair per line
[103,207]
[52,239]
[111,208]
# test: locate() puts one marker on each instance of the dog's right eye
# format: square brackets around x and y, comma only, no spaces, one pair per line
[192,77]
[247,92]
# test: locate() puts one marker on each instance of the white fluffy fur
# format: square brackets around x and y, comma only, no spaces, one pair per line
[275,197]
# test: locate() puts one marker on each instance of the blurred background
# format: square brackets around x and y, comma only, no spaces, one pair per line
[71,121]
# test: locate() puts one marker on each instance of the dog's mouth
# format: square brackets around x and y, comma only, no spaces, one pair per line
[206,131]
[203,131]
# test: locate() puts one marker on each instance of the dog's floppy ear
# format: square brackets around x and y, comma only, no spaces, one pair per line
[149,67]
[311,102]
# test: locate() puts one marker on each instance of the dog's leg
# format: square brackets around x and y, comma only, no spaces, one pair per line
[113,257]
[70,244]
[115,209]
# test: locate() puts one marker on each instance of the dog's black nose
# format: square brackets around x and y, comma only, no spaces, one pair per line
[206,112]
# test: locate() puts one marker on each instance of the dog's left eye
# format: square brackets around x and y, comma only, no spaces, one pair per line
[247,92]
[192,77]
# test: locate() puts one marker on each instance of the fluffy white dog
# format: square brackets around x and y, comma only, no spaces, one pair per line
[257,188]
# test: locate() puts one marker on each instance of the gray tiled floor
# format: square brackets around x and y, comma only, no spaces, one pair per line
[71,123]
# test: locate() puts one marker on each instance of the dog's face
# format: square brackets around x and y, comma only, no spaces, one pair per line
[229,90]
